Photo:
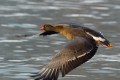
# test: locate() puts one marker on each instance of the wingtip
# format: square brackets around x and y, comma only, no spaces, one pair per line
[110,46]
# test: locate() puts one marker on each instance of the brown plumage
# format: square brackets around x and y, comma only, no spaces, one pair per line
[83,46]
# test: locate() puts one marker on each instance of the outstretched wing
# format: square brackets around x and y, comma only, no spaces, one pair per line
[73,55]
[47,33]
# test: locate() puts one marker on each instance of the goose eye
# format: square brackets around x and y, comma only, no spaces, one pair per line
[47,25]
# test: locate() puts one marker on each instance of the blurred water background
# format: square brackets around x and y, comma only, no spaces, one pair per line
[21,56]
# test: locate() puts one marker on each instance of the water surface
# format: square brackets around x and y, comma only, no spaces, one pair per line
[21,56]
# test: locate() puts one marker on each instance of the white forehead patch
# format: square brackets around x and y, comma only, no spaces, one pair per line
[96,38]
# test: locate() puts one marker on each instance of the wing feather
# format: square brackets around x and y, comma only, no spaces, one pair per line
[73,55]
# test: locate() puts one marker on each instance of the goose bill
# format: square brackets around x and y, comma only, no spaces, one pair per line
[42,28]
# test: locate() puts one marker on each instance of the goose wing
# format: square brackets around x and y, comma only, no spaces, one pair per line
[47,33]
[73,55]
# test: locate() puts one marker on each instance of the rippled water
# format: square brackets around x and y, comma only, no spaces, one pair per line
[21,56]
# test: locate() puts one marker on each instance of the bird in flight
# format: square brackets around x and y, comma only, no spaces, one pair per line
[83,45]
